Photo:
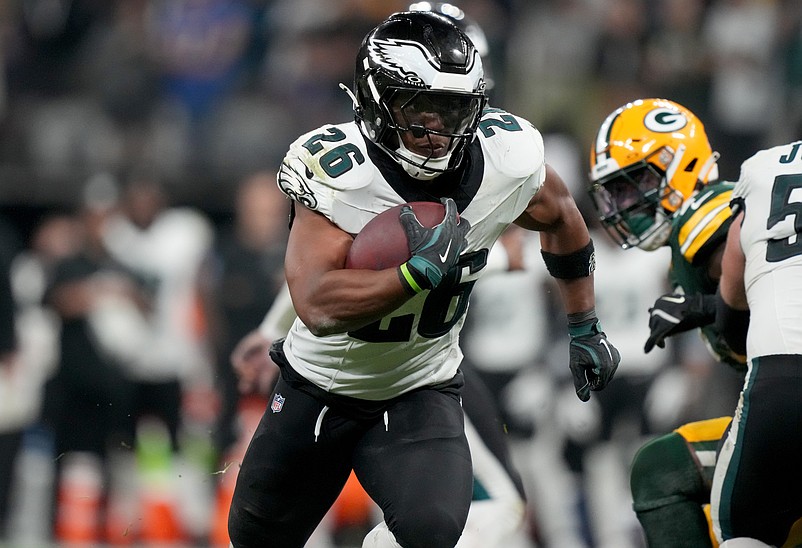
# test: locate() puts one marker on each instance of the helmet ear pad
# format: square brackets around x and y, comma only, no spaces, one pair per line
[375,119]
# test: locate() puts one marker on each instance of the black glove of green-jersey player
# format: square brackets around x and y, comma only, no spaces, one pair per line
[675,313]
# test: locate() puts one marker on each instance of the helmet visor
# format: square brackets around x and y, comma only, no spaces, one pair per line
[434,112]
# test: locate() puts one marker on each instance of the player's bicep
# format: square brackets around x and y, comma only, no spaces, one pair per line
[733,262]
[553,212]
[315,246]
[544,209]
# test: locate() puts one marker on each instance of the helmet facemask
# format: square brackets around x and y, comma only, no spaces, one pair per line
[431,129]
[629,202]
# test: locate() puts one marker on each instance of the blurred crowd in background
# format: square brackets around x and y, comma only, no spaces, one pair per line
[142,235]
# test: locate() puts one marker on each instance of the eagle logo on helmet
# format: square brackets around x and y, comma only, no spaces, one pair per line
[402,57]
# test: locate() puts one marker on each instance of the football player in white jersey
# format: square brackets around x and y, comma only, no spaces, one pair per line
[370,374]
[755,486]
[497,513]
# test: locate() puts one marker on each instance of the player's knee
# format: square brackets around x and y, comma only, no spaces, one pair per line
[428,528]
[664,472]
[246,531]
[243,530]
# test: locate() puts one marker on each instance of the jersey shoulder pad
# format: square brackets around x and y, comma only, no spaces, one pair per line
[510,143]
[702,223]
[762,167]
[324,161]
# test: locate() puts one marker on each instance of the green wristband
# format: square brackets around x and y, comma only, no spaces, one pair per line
[408,279]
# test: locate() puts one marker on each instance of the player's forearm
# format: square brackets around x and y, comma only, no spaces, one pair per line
[570,258]
[344,300]
[577,295]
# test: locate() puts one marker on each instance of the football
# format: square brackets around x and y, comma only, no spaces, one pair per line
[382,243]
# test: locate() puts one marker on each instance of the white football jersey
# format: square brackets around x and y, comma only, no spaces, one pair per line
[333,170]
[167,254]
[771,238]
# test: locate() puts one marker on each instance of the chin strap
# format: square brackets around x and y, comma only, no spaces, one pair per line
[709,168]
[350,93]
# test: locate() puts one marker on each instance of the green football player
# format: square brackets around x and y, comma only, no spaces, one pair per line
[654,182]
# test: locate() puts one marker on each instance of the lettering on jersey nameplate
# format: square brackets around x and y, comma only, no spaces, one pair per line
[278,403]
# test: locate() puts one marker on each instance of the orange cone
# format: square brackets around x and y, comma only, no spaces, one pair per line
[159,522]
[79,500]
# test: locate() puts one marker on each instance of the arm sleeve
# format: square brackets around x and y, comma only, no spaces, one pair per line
[280,317]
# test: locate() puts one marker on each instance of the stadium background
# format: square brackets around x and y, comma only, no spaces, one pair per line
[202,94]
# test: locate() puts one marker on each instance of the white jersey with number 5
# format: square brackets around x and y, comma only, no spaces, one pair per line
[335,171]
[770,188]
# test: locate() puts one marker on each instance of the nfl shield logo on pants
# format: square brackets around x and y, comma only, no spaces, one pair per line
[278,403]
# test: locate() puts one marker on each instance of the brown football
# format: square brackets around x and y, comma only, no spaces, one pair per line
[382,243]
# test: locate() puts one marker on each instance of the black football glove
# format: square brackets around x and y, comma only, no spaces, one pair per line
[434,250]
[593,359]
[675,313]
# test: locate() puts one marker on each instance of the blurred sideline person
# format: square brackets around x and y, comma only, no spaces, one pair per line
[173,403]
[87,401]
[386,402]
[653,182]
[240,279]
[622,417]
[510,302]
[32,478]
[242,276]
[755,487]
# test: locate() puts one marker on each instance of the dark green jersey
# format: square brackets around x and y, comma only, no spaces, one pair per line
[698,230]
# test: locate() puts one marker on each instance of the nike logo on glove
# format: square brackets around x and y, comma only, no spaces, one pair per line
[607,347]
[445,255]
[666,316]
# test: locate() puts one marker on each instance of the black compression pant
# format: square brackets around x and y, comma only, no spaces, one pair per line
[414,462]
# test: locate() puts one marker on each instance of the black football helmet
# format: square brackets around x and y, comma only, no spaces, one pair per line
[415,64]
[465,24]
